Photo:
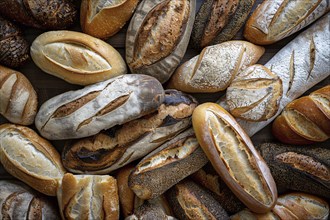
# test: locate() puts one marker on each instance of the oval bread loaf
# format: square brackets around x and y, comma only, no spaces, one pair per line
[152,47]
[85,112]
[19,101]
[274,20]
[215,67]
[40,167]
[234,157]
[116,147]
[254,94]
[76,57]
[88,197]
[105,18]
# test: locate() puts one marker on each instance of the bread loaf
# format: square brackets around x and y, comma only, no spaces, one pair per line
[116,147]
[18,201]
[215,67]
[189,201]
[167,165]
[40,166]
[158,36]
[103,19]
[305,169]
[218,21]
[274,20]
[76,57]
[300,65]
[18,102]
[234,157]
[85,112]
[254,94]
[305,120]
[14,49]
[88,197]
[54,14]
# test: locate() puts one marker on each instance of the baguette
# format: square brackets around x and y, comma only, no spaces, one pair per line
[305,120]
[215,67]
[85,112]
[40,167]
[234,157]
[158,36]
[76,57]
[19,101]
[274,20]
[300,65]
[102,19]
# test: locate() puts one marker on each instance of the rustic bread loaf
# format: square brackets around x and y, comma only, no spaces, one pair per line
[14,49]
[190,201]
[158,36]
[105,18]
[76,57]
[30,158]
[254,94]
[54,14]
[218,21]
[167,165]
[305,169]
[234,157]
[305,120]
[274,20]
[300,65]
[114,148]
[18,201]
[88,197]
[85,112]
[215,67]
[19,101]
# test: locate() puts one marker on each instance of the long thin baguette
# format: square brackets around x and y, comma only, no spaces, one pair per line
[301,64]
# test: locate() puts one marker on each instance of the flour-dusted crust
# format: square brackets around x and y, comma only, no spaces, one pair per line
[87,111]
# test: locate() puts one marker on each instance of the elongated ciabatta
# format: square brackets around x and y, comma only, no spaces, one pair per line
[18,101]
[158,36]
[104,18]
[305,169]
[88,197]
[18,201]
[300,65]
[85,112]
[215,68]
[76,57]
[112,149]
[167,165]
[30,158]
[274,20]
[234,157]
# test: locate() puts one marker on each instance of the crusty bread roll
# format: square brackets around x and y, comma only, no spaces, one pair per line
[254,94]
[301,64]
[88,197]
[149,210]
[19,101]
[85,112]
[105,18]
[305,120]
[274,20]
[215,67]
[30,158]
[158,36]
[234,157]
[76,57]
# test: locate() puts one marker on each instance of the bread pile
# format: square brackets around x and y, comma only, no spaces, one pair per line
[144,136]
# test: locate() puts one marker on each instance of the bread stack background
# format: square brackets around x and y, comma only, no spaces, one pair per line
[47,86]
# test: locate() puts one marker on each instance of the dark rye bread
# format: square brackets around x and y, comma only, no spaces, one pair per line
[149,211]
[305,169]
[218,21]
[190,201]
